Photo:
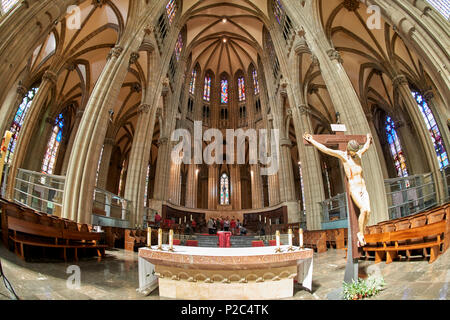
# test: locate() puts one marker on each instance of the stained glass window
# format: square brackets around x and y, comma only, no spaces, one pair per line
[241,88]
[395,148]
[255,82]
[278,10]
[179,47]
[224,91]
[48,166]
[171,9]
[302,189]
[224,189]
[7,5]
[18,122]
[207,90]
[122,174]
[433,128]
[443,6]
[193,81]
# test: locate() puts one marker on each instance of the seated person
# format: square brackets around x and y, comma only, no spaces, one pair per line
[243,230]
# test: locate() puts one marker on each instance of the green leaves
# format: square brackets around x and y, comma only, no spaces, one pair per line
[362,288]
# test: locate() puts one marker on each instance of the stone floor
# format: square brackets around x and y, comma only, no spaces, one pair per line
[116,278]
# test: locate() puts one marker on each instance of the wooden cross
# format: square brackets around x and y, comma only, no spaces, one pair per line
[341,140]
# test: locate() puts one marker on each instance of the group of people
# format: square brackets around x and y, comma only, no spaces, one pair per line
[225,224]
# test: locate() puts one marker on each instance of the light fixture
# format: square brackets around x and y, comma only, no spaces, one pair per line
[224,40]
[224,20]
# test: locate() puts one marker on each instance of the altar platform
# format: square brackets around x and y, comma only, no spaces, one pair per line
[196,273]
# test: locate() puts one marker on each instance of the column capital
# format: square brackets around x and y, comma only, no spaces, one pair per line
[134,58]
[302,46]
[333,54]
[166,85]
[283,87]
[109,141]
[21,90]
[115,52]
[144,108]
[315,60]
[399,80]
[162,141]
[304,109]
[148,29]
[50,76]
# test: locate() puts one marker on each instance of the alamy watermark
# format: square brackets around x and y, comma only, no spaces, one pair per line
[259,148]
[74,280]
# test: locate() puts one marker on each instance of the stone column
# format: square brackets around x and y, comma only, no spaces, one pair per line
[38,146]
[192,186]
[415,158]
[162,170]
[175,183]
[257,188]
[401,84]
[377,145]
[48,82]
[108,147]
[287,185]
[213,186]
[236,187]
[70,145]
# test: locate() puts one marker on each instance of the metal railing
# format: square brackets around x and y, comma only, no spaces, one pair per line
[410,195]
[110,205]
[39,191]
[334,208]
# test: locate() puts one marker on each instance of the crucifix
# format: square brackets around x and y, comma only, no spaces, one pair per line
[349,152]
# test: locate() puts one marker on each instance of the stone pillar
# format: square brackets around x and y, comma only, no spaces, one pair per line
[48,82]
[102,179]
[287,185]
[236,187]
[175,183]
[73,133]
[213,186]
[192,186]
[257,188]
[377,145]
[401,84]
[139,158]
[415,158]
[162,170]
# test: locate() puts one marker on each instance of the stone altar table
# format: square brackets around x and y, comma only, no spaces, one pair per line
[196,273]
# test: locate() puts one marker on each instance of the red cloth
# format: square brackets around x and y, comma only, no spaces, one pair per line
[157,218]
[233,224]
[193,223]
[192,243]
[176,242]
[274,243]
[259,243]
[224,239]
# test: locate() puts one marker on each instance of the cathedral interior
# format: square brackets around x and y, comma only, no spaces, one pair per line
[93,90]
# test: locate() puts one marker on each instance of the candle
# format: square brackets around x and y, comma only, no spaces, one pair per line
[259,218]
[171,239]
[270,221]
[277,234]
[184,219]
[300,237]
[265,219]
[160,234]
[191,217]
[149,237]
[179,221]
[290,237]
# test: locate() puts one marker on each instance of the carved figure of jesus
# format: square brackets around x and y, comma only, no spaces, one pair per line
[351,160]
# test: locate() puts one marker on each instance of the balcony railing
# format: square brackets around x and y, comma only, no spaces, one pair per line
[334,208]
[41,192]
[110,210]
[410,195]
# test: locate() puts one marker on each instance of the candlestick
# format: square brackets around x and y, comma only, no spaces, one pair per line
[149,237]
[270,221]
[171,240]
[277,236]
[184,219]
[191,217]
[290,240]
[265,219]
[160,234]
[259,218]
[300,238]
[179,221]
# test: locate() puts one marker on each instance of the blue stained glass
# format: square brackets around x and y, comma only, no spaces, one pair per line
[224,189]
[207,89]
[395,148]
[224,91]
[433,128]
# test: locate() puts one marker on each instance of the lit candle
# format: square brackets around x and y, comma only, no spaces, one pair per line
[300,237]
[149,237]
[259,218]
[184,219]
[171,239]
[160,238]
[270,221]
[191,217]
[179,221]
[290,237]
[277,234]
[265,219]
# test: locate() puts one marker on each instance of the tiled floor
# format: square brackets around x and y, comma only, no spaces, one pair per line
[116,277]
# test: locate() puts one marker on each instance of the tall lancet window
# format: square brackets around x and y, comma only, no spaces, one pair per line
[395,148]
[171,9]
[224,189]
[255,82]
[18,122]
[241,89]
[224,91]
[193,81]
[433,128]
[48,165]
[207,89]
[7,5]
[122,176]
[179,46]
[443,6]
[278,10]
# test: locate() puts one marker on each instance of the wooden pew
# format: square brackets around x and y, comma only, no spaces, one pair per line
[316,240]
[336,238]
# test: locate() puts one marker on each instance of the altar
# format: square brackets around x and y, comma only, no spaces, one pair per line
[196,273]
